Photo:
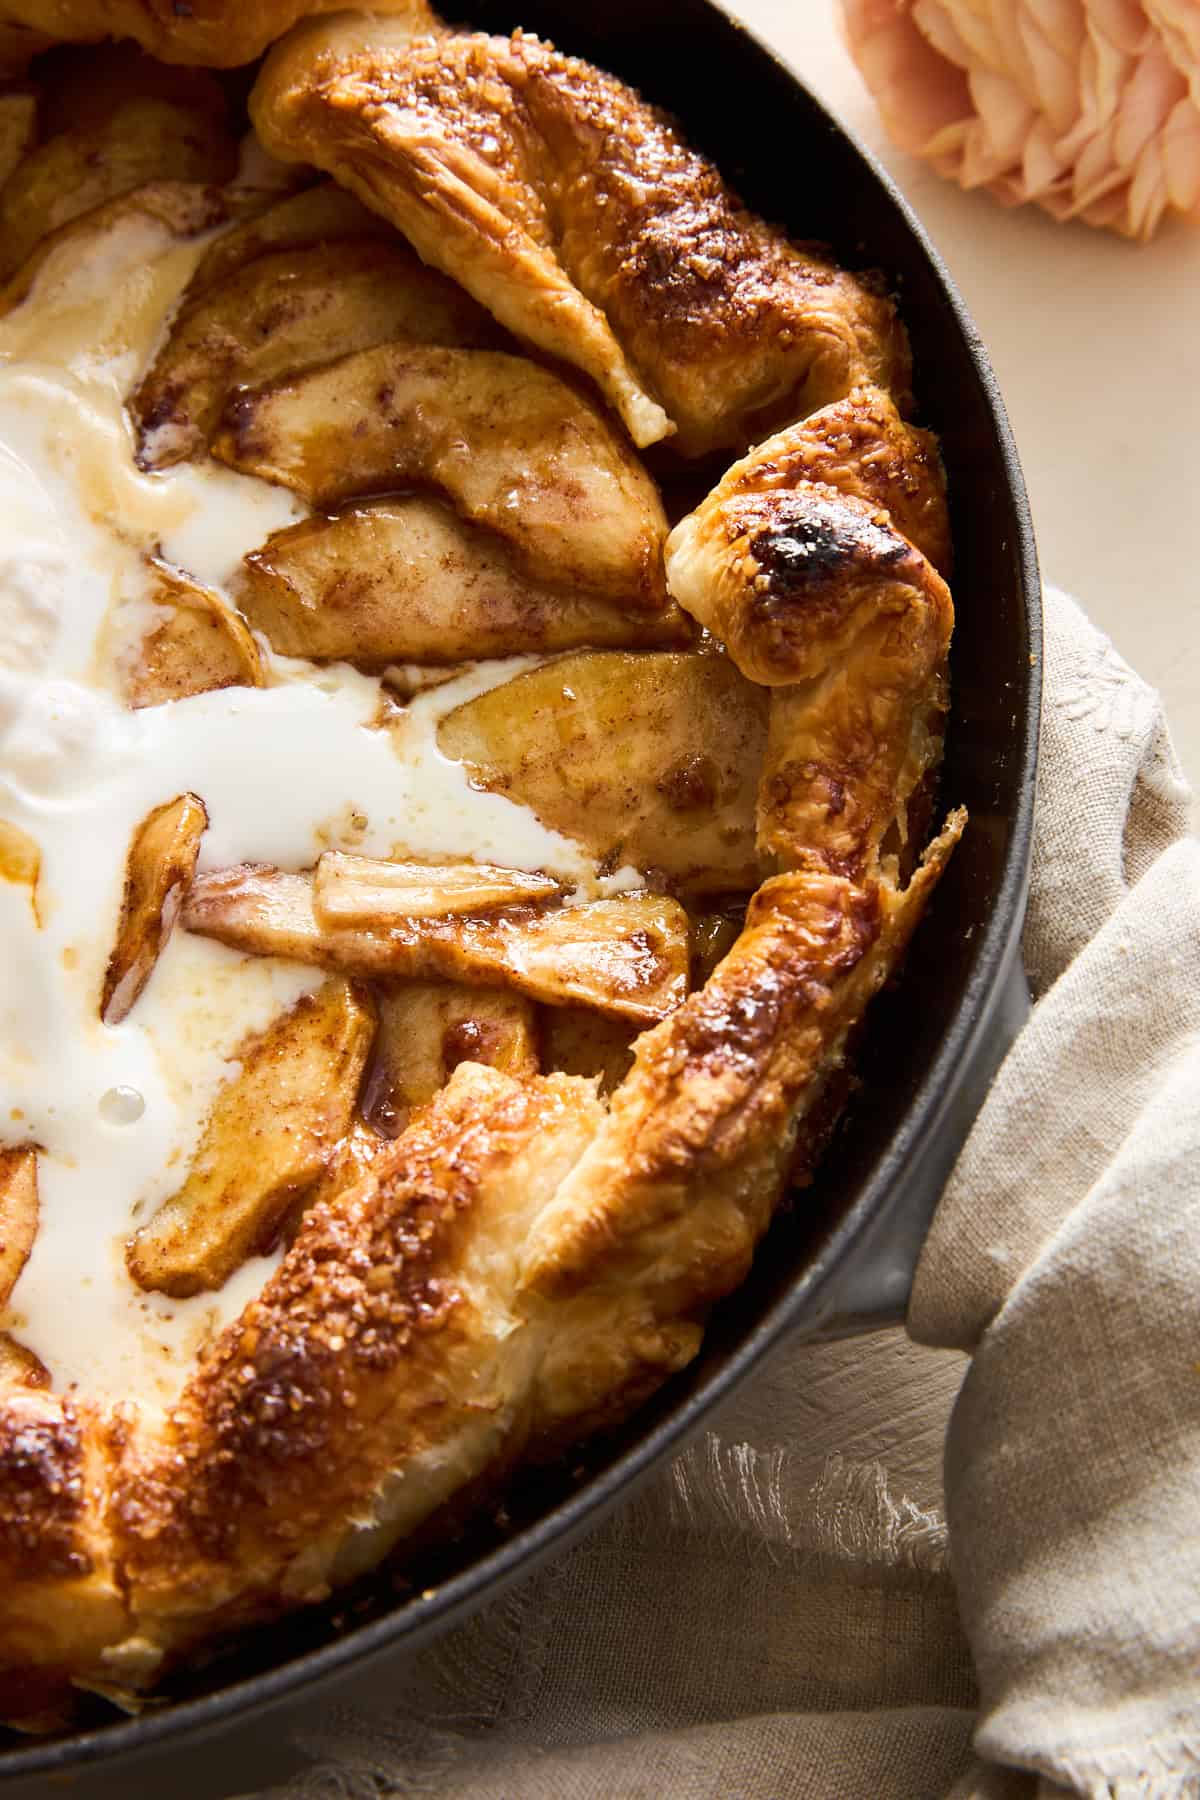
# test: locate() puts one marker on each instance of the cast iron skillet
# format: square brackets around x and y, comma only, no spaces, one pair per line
[841,1257]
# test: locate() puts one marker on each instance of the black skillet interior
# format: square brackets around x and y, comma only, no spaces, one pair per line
[793,163]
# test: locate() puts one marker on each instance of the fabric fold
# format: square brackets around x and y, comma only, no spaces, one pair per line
[1066,1256]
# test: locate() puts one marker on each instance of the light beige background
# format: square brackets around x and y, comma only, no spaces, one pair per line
[1097,346]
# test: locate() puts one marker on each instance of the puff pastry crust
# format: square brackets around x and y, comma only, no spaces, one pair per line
[577,214]
[537,1249]
[214,34]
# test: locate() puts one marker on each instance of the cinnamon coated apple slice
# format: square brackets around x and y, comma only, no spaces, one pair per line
[143,140]
[72,267]
[18,1214]
[405,580]
[196,645]
[313,216]
[161,862]
[285,312]
[348,1162]
[426,1028]
[19,1367]
[273,1129]
[647,759]
[511,445]
[627,956]
[367,890]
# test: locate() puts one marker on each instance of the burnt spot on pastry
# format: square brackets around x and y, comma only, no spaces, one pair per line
[803,569]
[811,541]
[860,447]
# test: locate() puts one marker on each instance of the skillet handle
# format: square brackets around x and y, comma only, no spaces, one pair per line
[872,1287]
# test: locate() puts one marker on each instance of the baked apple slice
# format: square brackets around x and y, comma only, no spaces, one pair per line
[161,862]
[18,1214]
[19,1367]
[72,172]
[271,1132]
[349,1161]
[511,445]
[285,312]
[72,267]
[199,645]
[359,890]
[296,222]
[408,581]
[426,1028]
[627,956]
[645,759]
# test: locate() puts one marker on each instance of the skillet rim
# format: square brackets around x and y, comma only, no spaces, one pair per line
[413,1620]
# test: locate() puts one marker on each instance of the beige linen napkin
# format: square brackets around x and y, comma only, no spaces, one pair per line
[1066,1256]
[773,1617]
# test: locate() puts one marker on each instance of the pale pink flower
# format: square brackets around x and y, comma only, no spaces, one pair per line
[1089,107]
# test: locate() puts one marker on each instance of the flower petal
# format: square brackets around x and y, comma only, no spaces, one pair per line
[939,29]
[1106,69]
[1014,56]
[1122,22]
[1091,108]
[1005,120]
[1181,156]
[1147,193]
[1055,71]
[961,31]
[1149,96]
[1178,25]
[917,91]
[1040,165]
[1097,172]
[1061,23]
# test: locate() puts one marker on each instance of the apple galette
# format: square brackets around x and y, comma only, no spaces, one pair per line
[435,894]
